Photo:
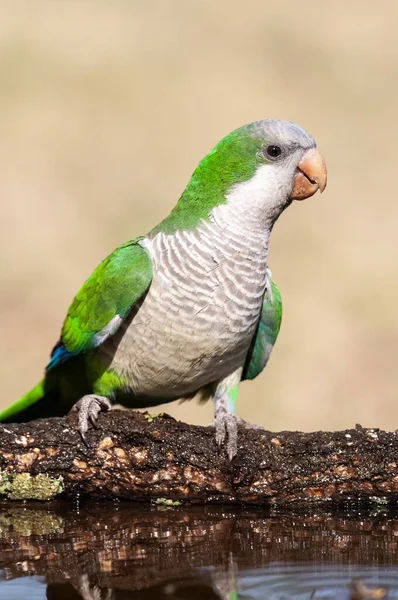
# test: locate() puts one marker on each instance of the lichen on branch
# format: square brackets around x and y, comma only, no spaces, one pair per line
[162,460]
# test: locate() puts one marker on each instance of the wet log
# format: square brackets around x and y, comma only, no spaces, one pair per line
[139,457]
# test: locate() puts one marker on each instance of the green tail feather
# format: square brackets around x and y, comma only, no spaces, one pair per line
[32,405]
[54,396]
[33,396]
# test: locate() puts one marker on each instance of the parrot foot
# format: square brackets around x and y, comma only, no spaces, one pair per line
[226,426]
[89,407]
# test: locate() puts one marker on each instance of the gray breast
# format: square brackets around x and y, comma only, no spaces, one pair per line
[196,323]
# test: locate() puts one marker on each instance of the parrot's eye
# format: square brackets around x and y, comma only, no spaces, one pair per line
[273,151]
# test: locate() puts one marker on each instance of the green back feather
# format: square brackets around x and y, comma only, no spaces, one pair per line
[267,332]
[112,289]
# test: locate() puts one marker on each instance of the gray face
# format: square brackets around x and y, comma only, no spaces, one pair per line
[286,155]
[285,133]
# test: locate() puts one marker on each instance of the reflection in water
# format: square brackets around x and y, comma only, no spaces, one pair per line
[194,589]
[111,551]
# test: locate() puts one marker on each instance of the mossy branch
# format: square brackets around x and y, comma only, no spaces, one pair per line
[162,460]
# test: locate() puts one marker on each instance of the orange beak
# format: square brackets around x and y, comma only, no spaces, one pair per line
[311,176]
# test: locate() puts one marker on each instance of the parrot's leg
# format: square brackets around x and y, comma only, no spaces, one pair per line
[225,421]
[89,408]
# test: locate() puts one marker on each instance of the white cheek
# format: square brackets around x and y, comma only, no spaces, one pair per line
[270,186]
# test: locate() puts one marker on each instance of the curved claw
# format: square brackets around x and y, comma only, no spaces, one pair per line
[226,426]
[89,408]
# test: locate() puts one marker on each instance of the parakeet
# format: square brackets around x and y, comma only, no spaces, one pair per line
[190,308]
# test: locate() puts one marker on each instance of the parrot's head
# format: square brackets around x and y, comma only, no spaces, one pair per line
[289,155]
[269,164]
[251,175]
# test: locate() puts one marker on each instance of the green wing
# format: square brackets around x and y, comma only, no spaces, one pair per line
[267,332]
[104,300]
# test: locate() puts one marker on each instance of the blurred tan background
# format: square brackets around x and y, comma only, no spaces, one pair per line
[105,109]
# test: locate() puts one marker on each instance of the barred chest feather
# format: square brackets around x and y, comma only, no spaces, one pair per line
[196,323]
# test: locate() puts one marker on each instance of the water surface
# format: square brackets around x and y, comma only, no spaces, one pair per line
[114,551]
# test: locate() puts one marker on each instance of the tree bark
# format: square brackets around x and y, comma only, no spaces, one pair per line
[140,457]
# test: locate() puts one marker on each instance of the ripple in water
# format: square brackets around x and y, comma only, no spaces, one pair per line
[318,581]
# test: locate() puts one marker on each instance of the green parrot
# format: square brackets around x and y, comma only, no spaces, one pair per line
[190,308]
